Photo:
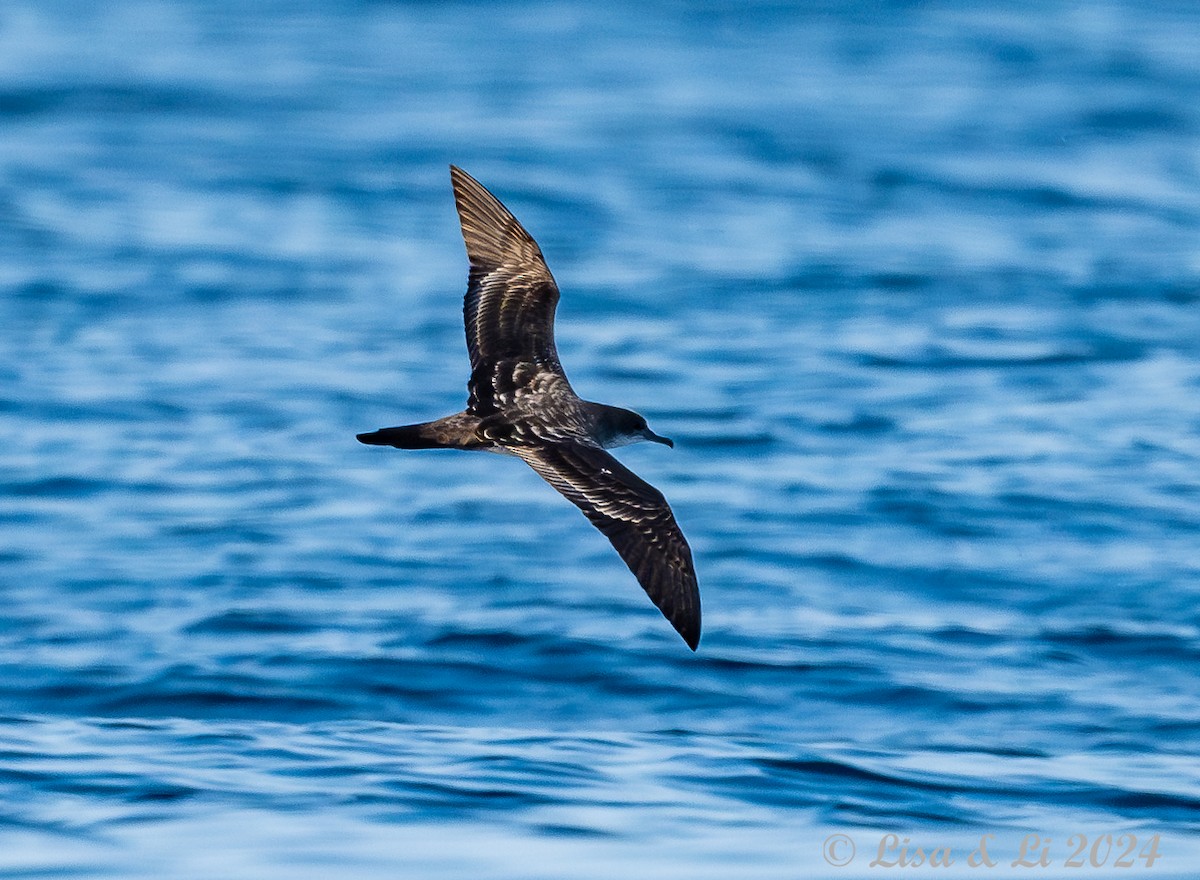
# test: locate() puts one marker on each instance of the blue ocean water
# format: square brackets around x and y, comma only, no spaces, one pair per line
[914,287]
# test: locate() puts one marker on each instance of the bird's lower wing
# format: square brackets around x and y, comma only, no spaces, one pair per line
[635,517]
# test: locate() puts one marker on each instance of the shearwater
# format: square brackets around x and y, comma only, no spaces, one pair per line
[520,403]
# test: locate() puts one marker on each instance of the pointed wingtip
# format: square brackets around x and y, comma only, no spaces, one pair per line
[690,631]
[683,613]
[468,192]
[492,234]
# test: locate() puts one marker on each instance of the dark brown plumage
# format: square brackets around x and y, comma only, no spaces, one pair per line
[520,403]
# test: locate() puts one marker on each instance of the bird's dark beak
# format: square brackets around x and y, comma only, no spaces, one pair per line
[665,441]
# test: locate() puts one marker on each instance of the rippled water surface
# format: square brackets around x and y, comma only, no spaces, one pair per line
[914,287]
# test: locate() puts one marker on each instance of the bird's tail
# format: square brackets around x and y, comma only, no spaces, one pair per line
[403,437]
[453,432]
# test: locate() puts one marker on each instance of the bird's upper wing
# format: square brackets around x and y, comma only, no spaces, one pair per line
[636,519]
[511,295]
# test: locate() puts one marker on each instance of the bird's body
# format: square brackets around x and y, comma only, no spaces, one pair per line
[520,403]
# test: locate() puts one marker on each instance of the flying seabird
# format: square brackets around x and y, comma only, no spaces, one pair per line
[520,403]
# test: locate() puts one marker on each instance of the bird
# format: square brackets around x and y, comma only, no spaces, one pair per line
[520,403]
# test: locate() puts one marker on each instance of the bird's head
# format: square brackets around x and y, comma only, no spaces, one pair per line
[620,427]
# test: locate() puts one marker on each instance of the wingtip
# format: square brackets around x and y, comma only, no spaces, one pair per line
[467,187]
[690,634]
[492,234]
[463,184]
[685,620]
